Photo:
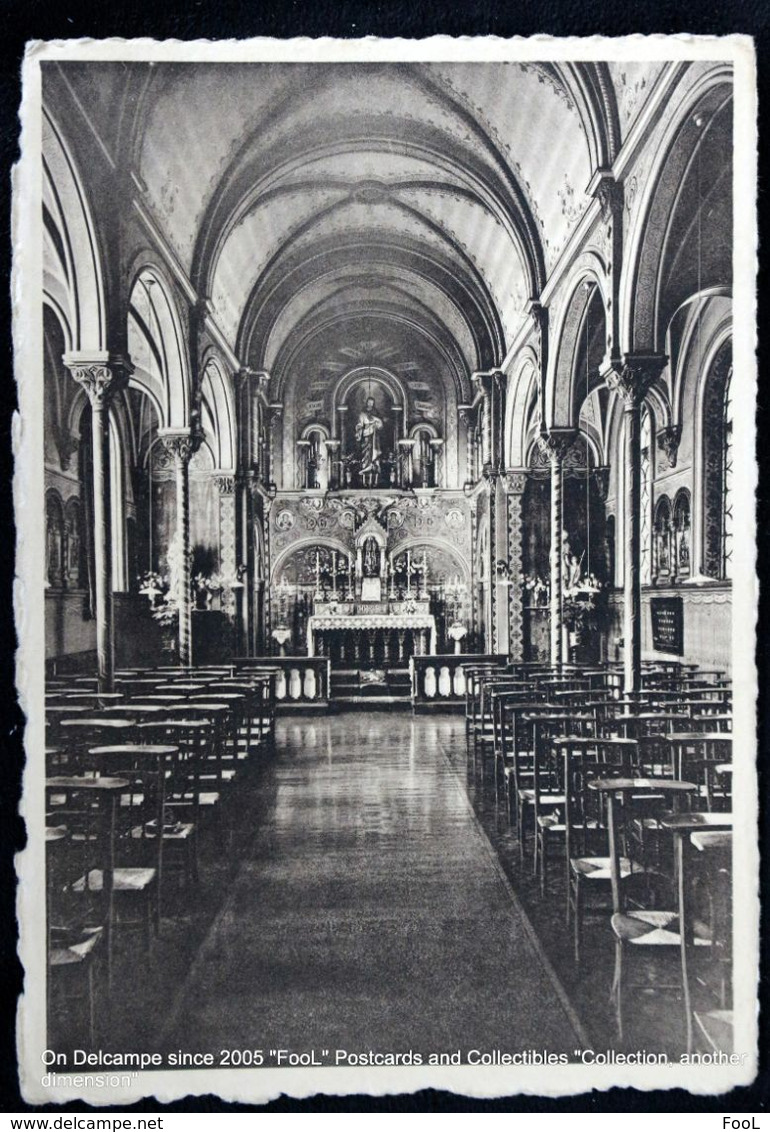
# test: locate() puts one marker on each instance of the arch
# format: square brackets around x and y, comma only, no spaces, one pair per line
[682,522]
[55,538]
[586,308]
[714,480]
[327,541]
[642,332]
[437,544]
[73,279]
[662,530]
[218,407]
[157,346]
[521,386]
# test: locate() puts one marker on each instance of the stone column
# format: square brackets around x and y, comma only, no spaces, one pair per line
[302,464]
[464,412]
[406,447]
[101,379]
[555,445]
[436,447]
[180,444]
[227,553]
[333,462]
[515,483]
[632,381]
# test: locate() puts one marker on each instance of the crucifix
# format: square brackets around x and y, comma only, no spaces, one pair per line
[423,566]
[318,593]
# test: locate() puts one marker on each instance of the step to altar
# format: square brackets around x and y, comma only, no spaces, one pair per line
[370,686]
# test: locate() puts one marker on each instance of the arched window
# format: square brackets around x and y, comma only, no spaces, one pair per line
[424,458]
[717,428]
[645,499]
[55,540]
[681,563]
[663,538]
[75,566]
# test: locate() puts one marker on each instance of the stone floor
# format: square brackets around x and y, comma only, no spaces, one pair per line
[372,898]
[370,911]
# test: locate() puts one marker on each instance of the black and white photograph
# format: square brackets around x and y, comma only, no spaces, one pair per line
[386,591]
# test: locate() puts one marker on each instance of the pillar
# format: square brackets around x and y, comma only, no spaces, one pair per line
[631,381]
[515,482]
[436,447]
[555,444]
[466,418]
[180,444]
[227,548]
[406,448]
[101,378]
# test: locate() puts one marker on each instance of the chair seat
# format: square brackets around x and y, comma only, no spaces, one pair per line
[75,952]
[551,822]
[656,929]
[124,880]
[528,794]
[598,868]
[172,831]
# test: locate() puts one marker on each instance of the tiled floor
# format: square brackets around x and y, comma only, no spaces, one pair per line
[368,910]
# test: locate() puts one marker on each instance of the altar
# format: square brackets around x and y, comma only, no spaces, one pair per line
[371,633]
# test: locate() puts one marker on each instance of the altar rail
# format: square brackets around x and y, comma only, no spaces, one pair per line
[440,681]
[300,681]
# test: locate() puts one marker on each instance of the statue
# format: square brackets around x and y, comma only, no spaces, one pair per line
[367,443]
[572,566]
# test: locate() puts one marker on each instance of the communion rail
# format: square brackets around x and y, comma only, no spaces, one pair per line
[440,681]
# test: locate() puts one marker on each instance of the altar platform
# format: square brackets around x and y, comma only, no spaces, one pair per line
[372,632]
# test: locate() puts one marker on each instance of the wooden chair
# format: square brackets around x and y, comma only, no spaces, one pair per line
[638,928]
[586,847]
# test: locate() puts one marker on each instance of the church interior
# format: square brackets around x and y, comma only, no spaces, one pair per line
[388,498]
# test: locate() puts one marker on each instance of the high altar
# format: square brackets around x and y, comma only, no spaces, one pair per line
[376,626]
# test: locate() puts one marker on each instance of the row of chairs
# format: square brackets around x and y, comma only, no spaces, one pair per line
[625,800]
[134,779]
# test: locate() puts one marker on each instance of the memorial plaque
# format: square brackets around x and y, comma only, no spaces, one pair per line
[667,625]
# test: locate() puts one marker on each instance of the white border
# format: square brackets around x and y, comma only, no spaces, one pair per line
[264,1084]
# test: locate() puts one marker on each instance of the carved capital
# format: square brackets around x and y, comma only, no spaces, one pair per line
[556,443]
[180,443]
[101,378]
[633,379]
[539,314]
[225,484]
[601,478]
[515,482]
[609,193]
[668,443]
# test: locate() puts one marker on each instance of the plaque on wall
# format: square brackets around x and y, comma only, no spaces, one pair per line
[667,624]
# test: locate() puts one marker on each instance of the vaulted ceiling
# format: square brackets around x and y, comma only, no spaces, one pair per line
[430,199]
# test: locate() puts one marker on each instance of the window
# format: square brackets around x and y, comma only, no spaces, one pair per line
[717,425]
[663,538]
[681,563]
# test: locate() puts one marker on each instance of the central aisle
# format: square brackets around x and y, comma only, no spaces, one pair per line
[370,911]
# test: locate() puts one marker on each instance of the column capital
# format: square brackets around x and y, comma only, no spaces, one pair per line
[633,378]
[515,481]
[668,443]
[101,375]
[180,443]
[538,312]
[556,442]
[608,192]
[225,483]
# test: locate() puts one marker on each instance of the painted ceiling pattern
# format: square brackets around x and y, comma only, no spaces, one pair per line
[424,202]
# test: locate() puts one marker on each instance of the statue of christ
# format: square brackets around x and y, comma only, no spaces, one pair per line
[368,449]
